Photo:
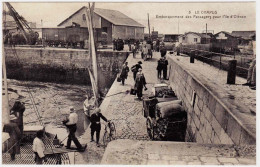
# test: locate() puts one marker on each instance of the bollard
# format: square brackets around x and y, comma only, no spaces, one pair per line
[231,76]
[178,51]
[192,56]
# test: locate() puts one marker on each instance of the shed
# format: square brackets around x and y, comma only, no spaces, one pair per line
[112,22]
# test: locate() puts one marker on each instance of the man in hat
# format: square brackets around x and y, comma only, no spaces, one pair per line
[18,110]
[95,124]
[15,136]
[88,107]
[72,126]
[135,68]
[38,147]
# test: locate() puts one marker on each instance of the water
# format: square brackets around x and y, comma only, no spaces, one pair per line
[51,100]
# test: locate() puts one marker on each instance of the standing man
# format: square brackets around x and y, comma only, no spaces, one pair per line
[95,125]
[134,49]
[140,83]
[159,69]
[71,124]
[163,50]
[135,68]
[38,147]
[124,73]
[164,67]
[88,107]
[18,110]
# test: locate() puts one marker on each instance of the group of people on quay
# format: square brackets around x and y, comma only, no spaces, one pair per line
[140,82]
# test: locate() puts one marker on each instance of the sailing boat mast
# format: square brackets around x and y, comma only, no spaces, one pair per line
[5,111]
[92,52]
[92,43]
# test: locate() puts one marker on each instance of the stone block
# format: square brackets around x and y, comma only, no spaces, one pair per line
[197,110]
[169,157]
[246,161]
[200,103]
[221,116]
[233,130]
[199,139]
[178,163]
[216,126]
[190,158]
[216,140]
[196,121]
[212,104]
[154,156]
[157,162]
[208,127]
[195,163]
[224,138]
[246,138]
[228,160]
[207,113]
[212,160]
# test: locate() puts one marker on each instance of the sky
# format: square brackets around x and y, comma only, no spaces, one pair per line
[54,13]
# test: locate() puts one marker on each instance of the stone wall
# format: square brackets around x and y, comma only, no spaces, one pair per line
[61,65]
[209,120]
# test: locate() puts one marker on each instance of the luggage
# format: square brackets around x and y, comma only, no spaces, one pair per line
[169,110]
[119,79]
[133,68]
[132,91]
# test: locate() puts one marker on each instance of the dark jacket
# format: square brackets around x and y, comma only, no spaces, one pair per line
[95,120]
[124,72]
[137,66]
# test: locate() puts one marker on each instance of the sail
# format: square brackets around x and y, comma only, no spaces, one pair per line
[94,87]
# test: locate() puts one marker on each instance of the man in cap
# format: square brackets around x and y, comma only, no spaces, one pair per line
[72,126]
[95,125]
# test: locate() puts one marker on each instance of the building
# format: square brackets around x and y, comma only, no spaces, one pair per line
[194,38]
[225,41]
[112,22]
[244,37]
[171,37]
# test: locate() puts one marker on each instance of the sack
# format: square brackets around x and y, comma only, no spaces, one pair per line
[133,69]
[119,79]
[132,91]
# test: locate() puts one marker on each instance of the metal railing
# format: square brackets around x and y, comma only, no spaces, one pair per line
[219,60]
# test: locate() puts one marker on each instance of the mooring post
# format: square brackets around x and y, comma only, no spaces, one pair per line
[231,76]
[192,56]
[178,51]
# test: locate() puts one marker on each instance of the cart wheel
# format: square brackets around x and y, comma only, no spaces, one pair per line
[106,138]
[149,128]
[156,133]
[112,131]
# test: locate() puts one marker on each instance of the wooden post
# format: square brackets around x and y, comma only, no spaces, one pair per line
[192,56]
[231,76]
[5,100]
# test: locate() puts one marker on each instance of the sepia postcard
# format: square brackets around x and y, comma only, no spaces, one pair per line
[129,83]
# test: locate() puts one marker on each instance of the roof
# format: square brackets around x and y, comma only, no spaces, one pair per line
[198,34]
[113,16]
[244,34]
[225,33]
[116,17]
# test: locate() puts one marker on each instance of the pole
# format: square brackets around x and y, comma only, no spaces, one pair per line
[149,24]
[206,33]
[93,51]
[178,26]
[5,100]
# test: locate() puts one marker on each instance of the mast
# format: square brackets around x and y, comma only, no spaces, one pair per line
[5,100]
[92,51]
[149,25]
